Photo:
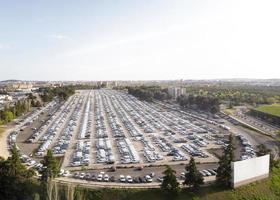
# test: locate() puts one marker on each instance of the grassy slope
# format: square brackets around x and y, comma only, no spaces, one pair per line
[273,109]
[256,191]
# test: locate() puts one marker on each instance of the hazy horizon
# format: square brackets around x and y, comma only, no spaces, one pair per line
[149,80]
[139,40]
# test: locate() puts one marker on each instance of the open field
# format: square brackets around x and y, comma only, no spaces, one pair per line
[273,109]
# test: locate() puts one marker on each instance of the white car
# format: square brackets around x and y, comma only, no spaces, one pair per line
[31,163]
[106,178]
[82,175]
[129,179]
[148,179]
[99,177]
[206,172]
[66,173]
[182,176]
[76,163]
[122,178]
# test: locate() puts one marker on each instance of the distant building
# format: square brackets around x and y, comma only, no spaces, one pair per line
[176,91]
[17,96]
[5,98]
[22,86]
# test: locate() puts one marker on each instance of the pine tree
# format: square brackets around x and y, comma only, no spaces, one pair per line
[192,177]
[51,167]
[170,185]
[15,179]
[50,171]
[224,170]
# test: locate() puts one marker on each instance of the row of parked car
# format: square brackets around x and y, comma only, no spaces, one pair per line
[38,132]
[82,153]
[54,129]
[86,125]
[148,178]
[124,117]
[103,145]
[114,124]
[127,151]
[248,150]
[67,133]
[27,122]
[103,177]
[137,115]
[100,127]
[194,151]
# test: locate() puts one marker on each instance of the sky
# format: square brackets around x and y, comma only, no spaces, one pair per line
[139,39]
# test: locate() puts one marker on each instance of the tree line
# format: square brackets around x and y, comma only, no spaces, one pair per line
[206,103]
[19,108]
[62,93]
[149,93]
[238,94]
[12,111]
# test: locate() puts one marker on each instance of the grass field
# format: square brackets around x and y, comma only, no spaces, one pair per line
[229,111]
[273,109]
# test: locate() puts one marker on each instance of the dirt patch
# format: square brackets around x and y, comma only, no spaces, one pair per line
[237,151]
[4,152]
[1,131]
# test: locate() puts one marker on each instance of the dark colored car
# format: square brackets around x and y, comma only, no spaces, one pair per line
[112,179]
[93,177]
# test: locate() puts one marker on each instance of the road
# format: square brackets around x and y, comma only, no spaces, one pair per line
[256,138]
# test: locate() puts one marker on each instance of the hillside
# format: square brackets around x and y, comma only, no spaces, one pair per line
[260,190]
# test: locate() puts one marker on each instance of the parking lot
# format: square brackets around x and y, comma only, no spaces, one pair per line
[99,129]
[260,124]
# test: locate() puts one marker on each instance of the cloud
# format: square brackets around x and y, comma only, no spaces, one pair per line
[5,46]
[58,37]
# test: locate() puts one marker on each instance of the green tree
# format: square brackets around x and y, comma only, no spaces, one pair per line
[15,180]
[50,167]
[170,185]
[193,178]
[224,169]
[49,172]
[263,150]
[8,116]
[38,104]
